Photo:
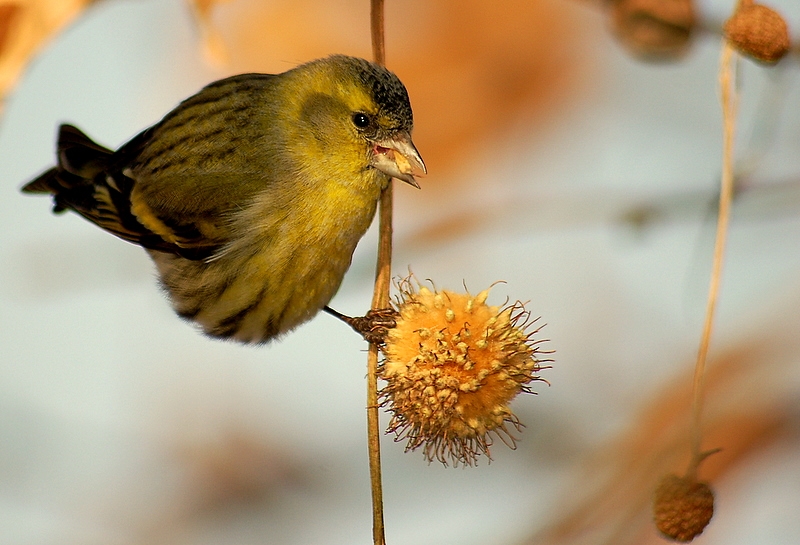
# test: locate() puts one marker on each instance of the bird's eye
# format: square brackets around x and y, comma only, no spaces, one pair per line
[361,120]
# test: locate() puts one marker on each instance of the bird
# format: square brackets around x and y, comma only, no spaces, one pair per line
[251,195]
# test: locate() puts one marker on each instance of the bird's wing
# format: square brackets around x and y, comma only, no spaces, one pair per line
[86,180]
[173,187]
[204,162]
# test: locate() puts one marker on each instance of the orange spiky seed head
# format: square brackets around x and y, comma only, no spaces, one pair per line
[453,364]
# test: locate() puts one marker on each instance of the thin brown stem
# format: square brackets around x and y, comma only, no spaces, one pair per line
[727,82]
[380,300]
[376,27]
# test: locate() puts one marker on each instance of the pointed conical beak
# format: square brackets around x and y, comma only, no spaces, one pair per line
[398,158]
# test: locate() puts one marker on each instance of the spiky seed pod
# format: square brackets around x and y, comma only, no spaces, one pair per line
[654,29]
[759,32]
[682,507]
[452,365]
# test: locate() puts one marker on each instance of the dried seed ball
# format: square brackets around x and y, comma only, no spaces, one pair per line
[654,29]
[452,366]
[682,507]
[759,32]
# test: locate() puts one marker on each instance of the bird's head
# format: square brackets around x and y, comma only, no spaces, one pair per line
[353,104]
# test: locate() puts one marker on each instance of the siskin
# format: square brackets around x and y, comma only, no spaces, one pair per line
[251,195]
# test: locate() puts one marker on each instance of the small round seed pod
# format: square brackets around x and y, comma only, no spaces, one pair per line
[682,507]
[759,32]
[654,29]
[452,365]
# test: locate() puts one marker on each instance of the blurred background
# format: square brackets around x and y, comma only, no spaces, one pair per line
[560,162]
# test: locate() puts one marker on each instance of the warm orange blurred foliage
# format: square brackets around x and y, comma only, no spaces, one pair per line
[25,26]
[234,468]
[474,69]
[747,408]
[655,30]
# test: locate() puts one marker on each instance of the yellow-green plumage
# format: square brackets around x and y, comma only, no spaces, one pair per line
[250,196]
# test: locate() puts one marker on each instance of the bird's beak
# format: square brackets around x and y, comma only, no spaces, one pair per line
[398,158]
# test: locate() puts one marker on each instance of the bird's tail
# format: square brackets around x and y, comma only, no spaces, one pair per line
[86,181]
[80,161]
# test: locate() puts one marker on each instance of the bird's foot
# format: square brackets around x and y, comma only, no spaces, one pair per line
[373,326]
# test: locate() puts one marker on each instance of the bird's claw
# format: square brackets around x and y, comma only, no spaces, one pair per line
[374,326]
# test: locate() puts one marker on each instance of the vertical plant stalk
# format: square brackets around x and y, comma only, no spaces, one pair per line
[376,31]
[727,81]
[380,300]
